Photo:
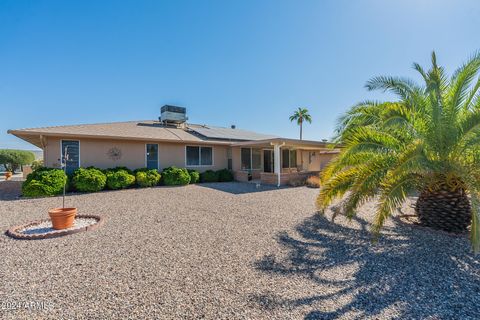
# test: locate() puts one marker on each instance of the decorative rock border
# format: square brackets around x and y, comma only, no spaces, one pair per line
[14,231]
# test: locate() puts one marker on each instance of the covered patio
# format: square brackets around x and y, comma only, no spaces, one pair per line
[279,161]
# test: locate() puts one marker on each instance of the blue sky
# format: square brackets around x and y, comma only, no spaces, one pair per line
[249,63]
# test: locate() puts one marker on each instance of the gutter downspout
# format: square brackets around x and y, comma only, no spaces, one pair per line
[277,155]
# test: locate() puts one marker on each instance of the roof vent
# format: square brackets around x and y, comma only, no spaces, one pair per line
[173,114]
[233,126]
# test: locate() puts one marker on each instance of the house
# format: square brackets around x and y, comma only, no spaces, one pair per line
[171,141]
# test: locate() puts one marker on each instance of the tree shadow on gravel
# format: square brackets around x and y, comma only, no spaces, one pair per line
[417,273]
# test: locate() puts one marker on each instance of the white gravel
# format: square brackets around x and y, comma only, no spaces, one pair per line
[200,252]
[46,226]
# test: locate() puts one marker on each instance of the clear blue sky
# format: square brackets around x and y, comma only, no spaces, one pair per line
[249,63]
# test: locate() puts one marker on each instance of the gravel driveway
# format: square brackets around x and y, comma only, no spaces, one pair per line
[234,252]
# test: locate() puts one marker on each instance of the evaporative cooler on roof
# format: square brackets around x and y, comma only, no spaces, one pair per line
[173,114]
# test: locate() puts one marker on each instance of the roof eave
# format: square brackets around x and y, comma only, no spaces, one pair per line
[24,134]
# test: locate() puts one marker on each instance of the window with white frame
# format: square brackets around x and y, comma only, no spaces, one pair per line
[289,158]
[198,156]
[251,158]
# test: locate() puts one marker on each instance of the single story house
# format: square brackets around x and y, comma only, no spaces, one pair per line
[171,141]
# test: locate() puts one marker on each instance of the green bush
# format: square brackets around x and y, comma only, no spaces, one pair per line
[89,180]
[209,176]
[194,175]
[147,178]
[37,164]
[44,182]
[173,176]
[225,175]
[116,169]
[141,170]
[119,179]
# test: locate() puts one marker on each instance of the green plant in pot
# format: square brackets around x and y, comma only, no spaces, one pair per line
[63,218]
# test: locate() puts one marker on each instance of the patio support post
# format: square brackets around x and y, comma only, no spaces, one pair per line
[277,156]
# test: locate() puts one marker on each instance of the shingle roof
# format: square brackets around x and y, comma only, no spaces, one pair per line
[145,130]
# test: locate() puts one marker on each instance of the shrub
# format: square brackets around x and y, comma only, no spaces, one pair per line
[141,170]
[313,182]
[194,176]
[89,180]
[173,176]
[209,176]
[44,182]
[37,164]
[13,159]
[225,175]
[296,182]
[116,169]
[119,179]
[147,178]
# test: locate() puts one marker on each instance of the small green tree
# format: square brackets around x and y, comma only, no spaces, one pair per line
[13,159]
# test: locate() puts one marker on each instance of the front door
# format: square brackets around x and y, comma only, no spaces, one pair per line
[71,155]
[152,156]
[267,160]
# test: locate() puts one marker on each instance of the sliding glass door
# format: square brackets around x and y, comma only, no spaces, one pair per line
[268,161]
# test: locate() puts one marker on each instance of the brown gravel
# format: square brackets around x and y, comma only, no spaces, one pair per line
[226,251]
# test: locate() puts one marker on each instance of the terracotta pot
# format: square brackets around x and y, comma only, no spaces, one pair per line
[8,175]
[62,218]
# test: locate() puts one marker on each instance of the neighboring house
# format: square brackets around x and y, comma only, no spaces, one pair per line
[172,141]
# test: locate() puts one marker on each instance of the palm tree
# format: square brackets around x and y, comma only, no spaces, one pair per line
[300,115]
[425,143]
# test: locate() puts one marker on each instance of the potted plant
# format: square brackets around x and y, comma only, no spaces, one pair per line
[8,175]
[63,218]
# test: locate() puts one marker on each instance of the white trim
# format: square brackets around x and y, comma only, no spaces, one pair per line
[199,156]
[61,151]
[158,155]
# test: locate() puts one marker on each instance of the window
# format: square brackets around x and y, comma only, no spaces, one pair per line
[205,156]
[71,148]
[152,156]
[256,159]
[229,158]
[285,158]
[199,156]
[251,159]
[293,158]
[246,155]
[289,158]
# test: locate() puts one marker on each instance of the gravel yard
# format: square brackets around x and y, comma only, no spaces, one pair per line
[229,251]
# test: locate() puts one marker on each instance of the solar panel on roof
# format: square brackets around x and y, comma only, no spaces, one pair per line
[229,134]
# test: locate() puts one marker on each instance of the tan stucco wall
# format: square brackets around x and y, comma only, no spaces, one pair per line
[319,161]
[93,152]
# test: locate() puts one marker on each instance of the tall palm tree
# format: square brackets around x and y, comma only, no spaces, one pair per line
[300,115]
[425,143]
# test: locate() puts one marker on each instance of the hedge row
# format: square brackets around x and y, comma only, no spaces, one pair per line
[49,182]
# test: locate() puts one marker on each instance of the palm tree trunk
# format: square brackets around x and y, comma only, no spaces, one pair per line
[301,125]
[444,209]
